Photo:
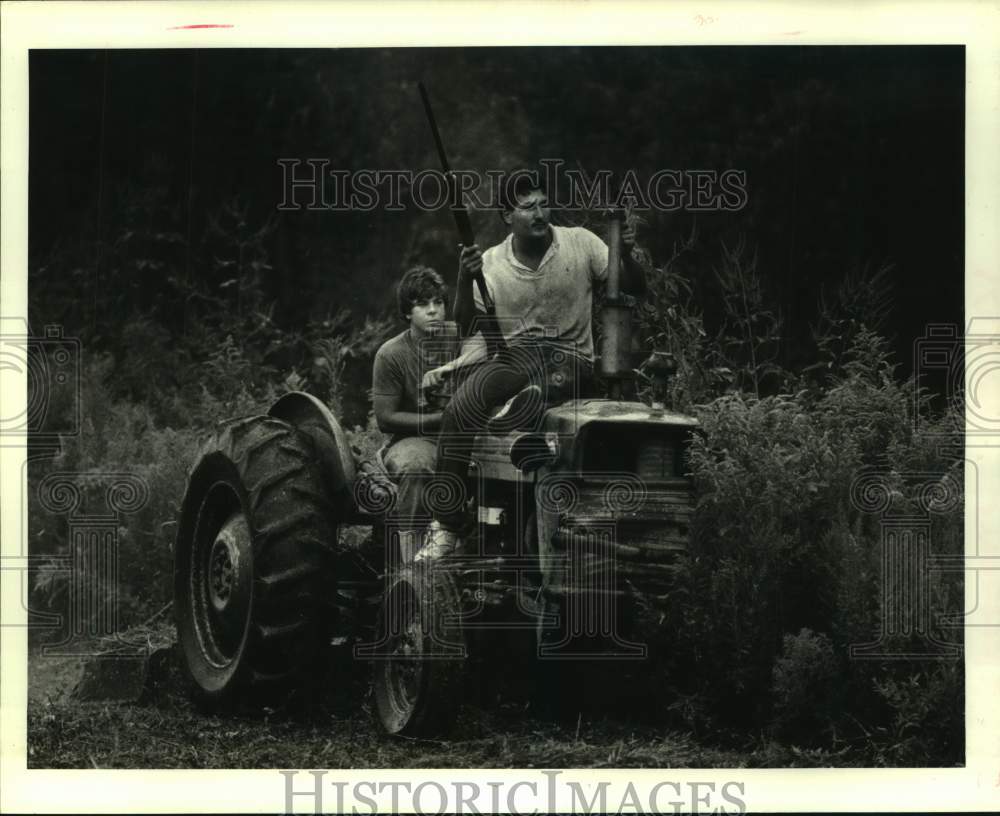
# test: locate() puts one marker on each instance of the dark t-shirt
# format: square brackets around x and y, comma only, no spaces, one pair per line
[400,366]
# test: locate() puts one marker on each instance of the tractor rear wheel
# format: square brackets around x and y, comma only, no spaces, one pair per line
[255,557]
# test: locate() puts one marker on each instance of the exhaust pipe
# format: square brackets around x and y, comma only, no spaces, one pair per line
[616,317]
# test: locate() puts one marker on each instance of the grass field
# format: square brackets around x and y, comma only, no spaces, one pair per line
[168,731]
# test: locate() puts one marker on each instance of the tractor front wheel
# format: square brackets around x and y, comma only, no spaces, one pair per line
[420,657]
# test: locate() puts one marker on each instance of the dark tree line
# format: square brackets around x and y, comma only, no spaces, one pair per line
[154,173]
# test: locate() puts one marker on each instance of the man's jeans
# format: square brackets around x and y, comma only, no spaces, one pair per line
[559,375]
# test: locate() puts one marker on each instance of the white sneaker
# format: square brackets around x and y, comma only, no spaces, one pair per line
[439,541]
[410,542]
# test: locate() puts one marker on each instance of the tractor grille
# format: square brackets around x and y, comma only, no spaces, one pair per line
[657,460]
[595,560]
[639,542]
[652,453]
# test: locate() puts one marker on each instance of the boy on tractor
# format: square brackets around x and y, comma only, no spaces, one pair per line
[411,384]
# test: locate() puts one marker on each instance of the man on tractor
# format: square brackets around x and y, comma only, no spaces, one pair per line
[542,279]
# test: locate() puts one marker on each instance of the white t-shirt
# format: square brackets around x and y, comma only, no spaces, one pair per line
[554,301]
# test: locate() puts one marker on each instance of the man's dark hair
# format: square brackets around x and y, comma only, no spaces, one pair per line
[419,283]
[516,183]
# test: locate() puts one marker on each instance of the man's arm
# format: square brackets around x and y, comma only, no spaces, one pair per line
[633,275]
[470,264]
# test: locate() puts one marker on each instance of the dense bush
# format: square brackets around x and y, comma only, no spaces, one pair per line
[786,572]
[805,687]
[117,437]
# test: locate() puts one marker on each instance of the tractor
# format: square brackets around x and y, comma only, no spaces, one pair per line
[576,519]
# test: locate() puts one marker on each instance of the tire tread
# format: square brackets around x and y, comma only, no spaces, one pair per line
[275,469]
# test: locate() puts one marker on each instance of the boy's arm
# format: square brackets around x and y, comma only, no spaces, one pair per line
[473,350]
[391,420]
[387,395]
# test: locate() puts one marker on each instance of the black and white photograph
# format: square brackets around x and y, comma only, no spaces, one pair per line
[528,407]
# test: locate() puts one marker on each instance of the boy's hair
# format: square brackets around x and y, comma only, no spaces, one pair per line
[516,183]
[419,283]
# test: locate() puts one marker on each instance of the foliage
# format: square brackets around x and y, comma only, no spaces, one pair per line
[145,410]
[781,545]
[787,573]
[927,716]
[117,439]
[188,206]
[747,342]
[805,688]
[735,349]
[862,300]
[668,321]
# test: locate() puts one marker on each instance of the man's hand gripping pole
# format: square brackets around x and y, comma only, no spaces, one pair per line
[491,330]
